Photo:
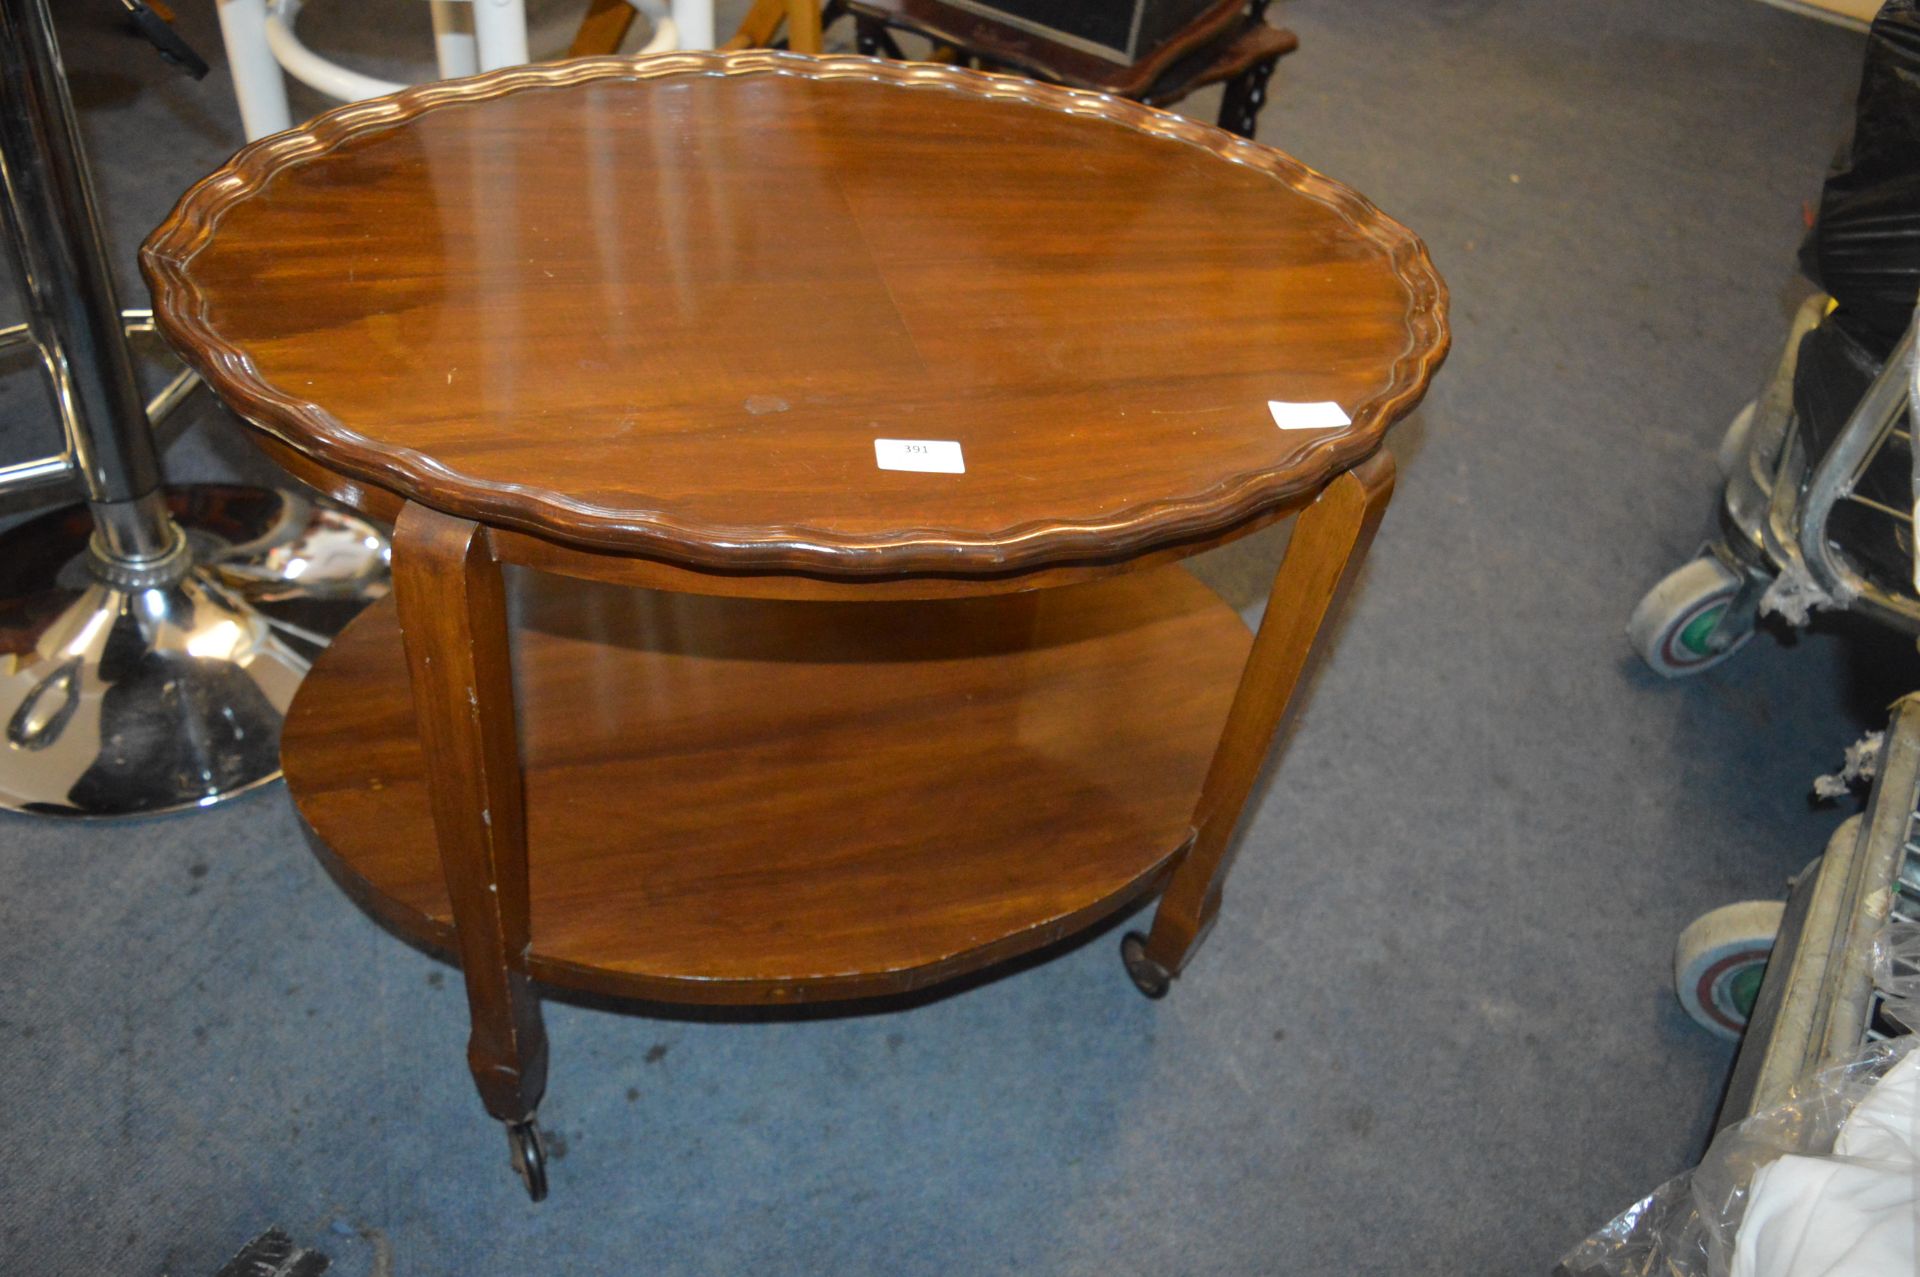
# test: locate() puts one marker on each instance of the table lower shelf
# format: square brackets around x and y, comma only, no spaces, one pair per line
[736,800]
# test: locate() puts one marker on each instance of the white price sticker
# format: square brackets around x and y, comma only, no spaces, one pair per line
[928,456]
[1307,416]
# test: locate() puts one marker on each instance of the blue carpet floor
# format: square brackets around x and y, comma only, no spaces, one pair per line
[1433,1032]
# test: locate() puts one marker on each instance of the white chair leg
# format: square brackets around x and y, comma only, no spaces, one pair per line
[342,84]
[694,18]
[257,82]
[500,28]
[666,32]
[469,36]
[454,46]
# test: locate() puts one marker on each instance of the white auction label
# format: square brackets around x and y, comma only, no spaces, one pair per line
[929,456]
[1307,416]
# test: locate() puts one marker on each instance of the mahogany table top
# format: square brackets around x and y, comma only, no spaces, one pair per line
[666,306]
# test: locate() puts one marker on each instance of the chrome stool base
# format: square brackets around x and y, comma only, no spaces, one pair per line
[118,701]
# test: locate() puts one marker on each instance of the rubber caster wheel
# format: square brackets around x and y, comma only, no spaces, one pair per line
[1147,975]
[1670,626]
[1719,960]
[1732,453]
[529,1157]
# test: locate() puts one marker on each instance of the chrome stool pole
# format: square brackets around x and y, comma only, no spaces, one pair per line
[143,664]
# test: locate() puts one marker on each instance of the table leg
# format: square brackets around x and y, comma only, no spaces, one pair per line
[453,615]
[758,29]
[804,31]
[601,31]
[1329,542]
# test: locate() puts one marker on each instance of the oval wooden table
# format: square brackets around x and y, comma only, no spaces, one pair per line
[809,444]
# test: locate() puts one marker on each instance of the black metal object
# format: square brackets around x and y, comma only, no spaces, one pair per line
[1148,976]
[159,32]
[529,1149]
[273,1254]
[1123,31]
[1245,94]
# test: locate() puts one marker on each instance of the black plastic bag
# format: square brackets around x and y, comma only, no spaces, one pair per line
[1864,248]
[1864,251]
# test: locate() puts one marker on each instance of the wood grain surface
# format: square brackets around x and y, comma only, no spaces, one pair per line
[533,551]
[1252,43]
[1324,554]
[665,306]
[450,599]
[728,800]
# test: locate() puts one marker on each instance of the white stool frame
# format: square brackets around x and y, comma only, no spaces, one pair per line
[469,36]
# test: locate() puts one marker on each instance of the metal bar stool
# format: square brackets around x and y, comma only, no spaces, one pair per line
[150,640]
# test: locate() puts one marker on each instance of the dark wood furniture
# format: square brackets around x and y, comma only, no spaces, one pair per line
[1230,41]
[612,341]
[1121,31]
[794,24]
[1227,42]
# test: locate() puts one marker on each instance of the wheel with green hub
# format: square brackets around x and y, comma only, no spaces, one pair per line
[1674,626]
[1719,960]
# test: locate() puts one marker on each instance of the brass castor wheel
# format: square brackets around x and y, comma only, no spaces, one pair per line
[1148,976]
[529,1157]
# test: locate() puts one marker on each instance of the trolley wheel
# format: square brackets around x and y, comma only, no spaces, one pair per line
[1669,627]
[1148,976]
[1733,444]
[1718,962]
[529,1157]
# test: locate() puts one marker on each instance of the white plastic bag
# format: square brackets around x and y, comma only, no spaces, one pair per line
[1896,960]
[1824,1184]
